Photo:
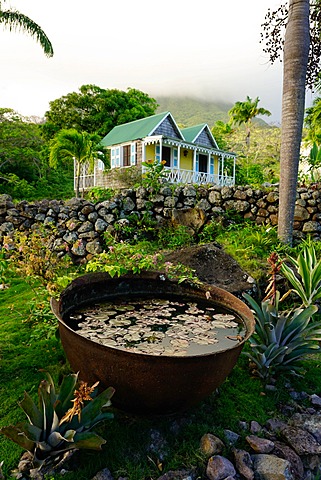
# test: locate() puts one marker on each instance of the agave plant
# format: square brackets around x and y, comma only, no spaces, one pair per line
[60,422]
[281,341]
[305,278]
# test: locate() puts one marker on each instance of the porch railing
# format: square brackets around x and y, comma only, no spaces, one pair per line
[176,175]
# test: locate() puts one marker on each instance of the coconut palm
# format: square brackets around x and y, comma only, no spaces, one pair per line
[295,60]
[244,112]
[15,20]
[71,145]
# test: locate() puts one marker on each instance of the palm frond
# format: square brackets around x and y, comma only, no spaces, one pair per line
[15,20]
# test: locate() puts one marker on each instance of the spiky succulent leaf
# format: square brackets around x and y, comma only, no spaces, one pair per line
[307,282]
[33,413]
[89,440]
[94,408]
[46,406]
[279,327]
[32,432]
[55,438]
[66,394]
[16,433]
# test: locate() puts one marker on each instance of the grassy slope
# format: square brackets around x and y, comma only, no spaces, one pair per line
[21,358]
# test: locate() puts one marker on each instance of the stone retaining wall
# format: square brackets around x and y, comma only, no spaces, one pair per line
[81,223]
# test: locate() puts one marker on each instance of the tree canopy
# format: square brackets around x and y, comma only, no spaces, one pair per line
[97,110]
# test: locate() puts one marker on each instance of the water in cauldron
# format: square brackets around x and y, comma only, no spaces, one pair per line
[159,326]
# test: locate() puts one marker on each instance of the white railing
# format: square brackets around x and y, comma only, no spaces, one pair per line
[176,175]
[85,182]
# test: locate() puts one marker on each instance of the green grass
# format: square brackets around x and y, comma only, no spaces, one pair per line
[251,245]
[24,352]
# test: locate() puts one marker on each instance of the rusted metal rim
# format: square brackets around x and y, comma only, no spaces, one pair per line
[220,296]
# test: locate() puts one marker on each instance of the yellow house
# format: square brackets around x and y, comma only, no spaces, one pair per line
[191,155]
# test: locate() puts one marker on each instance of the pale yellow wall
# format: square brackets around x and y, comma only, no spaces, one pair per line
[150,152]
[186,162]
[216,172]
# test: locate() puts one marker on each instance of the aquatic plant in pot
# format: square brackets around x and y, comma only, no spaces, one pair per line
[147,382]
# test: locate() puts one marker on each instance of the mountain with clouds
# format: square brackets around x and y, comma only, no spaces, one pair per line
[189,111]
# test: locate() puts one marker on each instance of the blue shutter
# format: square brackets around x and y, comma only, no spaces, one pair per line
[175,157]
[212,166]
[113,158]
[197,163]
[117,157]
[157,153]
[133,154]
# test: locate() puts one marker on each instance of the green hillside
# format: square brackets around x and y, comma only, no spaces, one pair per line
[189,111]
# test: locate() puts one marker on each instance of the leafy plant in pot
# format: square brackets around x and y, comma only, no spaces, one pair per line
[61,421]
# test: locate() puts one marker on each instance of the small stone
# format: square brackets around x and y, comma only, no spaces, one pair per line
[244,464]
[316,400]
[231,437]
[284,451]
[218,468]
[274,425]
[179,475]
[270,467]
[259,445]
[103,475]
[94,247]
[301,441]
[255,427]
[310,423]
[211,445]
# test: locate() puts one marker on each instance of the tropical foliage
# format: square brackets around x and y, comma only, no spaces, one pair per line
[24,169]
[96,110]
[71,145]
[15,20]
[244,112]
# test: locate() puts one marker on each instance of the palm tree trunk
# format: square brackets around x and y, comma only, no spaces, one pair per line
[78,180]
[296,51]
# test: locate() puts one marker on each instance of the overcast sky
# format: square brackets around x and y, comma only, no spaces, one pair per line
[206,48]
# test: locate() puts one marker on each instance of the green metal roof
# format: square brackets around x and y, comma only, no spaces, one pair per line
[133,130]
[190,133]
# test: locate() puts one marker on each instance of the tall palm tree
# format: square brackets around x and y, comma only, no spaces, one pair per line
[244,112]
[295,60]
[15,20]
[71,145]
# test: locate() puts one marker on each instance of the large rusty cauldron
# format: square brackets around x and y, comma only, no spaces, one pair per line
[147,383]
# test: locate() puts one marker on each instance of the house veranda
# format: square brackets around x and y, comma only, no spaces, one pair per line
[191,155]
